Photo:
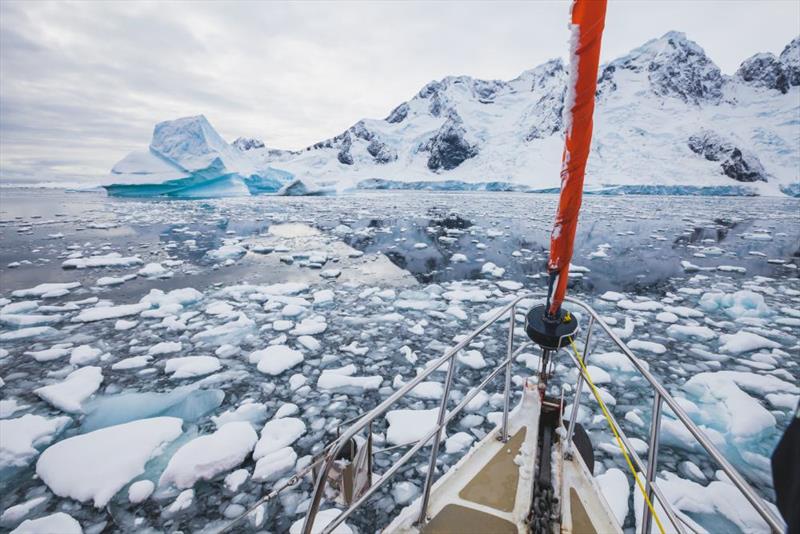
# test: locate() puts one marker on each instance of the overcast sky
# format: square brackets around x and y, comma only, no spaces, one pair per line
[82,84]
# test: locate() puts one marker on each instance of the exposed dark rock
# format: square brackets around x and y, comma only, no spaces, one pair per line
[449,147]
[431,89]
[790,58]
[740,165]
[398,114]
[764,70]
[436,105]
[247,143]
[382,152]
[344,156]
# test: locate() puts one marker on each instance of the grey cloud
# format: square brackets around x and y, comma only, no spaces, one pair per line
[83,83]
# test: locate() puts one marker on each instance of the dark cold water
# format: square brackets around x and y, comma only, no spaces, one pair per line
[399,266]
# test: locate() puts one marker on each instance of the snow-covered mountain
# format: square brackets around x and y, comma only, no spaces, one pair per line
[666,120]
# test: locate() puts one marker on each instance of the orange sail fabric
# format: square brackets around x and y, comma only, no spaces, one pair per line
[588,19]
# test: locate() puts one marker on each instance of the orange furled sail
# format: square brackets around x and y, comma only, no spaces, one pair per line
[587,21]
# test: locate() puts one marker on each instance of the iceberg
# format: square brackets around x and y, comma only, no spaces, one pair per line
[187,158]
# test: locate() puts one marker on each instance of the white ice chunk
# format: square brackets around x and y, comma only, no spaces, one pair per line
[96,465]
[678,331]
[191,366]
[235,479]
[277,434]
[57,523]
[409,426]
[274,465]
[616,489]
[227,252]
[134,362]
[648,346]
[276,359]
[745,342]
[332,380]
[165,347]
[206,457]
[458,442]
[42,289]
[69,394]
[252,412]
[140,490]
[13,514]
[100,313]
[113,259]
[19,437]
[84,354]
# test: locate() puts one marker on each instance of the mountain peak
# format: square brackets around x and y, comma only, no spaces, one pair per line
[674,65]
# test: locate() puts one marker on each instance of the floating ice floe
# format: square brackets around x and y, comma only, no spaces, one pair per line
[342,380]
[616,489]
[113,280]
[743,303]
[155,270]
[70,394]
[687,331]
[101,313]
[231,332]
[253,412]
[612,296]
[14,514]
[274,465]
[57,523]
[409,426]
[227,252]
[648,346]
[310,327]
[20,437]
[43,289]
[206,457]
[275,359]
[277,434]
[113,259]
[720,504]
[20,320]
[192,366]
[743,341]
[95,466]
[458,442]
[84,354]
[53,353]
[33,332]
[643,305]
[134,362]
[726,407]
[235,479]
[492,270]
[616,361]
[140,491]
[404,491]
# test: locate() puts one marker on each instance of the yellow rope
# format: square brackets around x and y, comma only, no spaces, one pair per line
[616,435]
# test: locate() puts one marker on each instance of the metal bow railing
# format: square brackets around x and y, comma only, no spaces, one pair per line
[661,396]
